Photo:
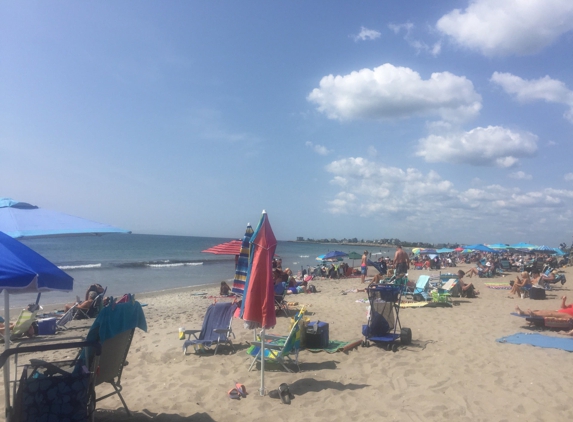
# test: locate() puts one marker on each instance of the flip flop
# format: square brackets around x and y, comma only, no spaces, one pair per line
[234,394]
[285,394]
[274,394]
[241,389]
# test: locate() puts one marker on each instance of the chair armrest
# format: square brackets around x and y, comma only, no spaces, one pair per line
[273,337]
[221,330]
[192,331]
[47,347]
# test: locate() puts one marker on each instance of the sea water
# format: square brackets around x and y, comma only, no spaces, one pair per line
[140,263]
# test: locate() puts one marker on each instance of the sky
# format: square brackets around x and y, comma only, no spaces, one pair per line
[446,121]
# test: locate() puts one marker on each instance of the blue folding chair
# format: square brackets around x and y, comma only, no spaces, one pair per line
[216,328]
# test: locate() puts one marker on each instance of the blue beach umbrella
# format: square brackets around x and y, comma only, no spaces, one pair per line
[23,270]
[522,245]
[23,220]
[335,255]
[481,248]
[243,262]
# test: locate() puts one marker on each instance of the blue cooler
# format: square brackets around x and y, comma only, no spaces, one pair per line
[317,335]
[47,326]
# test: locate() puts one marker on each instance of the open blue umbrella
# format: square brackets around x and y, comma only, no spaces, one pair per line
[23,220]
[334,255]
[481,248]
[23,270]
[522,245]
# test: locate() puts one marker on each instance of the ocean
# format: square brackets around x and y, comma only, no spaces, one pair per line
[138,263]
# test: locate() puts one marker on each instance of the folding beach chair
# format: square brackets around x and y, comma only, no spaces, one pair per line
[25,320]
[66,390]
[444,294]
[216,328]
[279,348]
[93,310]
[66,317]
[420,291]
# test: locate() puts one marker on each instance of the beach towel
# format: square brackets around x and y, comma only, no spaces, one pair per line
[539,340]
[413,304]
[498,286]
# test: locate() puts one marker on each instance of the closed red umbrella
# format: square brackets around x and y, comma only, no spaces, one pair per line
[258,308]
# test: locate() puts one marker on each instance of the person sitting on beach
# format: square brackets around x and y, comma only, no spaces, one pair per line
[85,305]
[520,283]
[565,312]
[478,270]
[467,289]
[225,290]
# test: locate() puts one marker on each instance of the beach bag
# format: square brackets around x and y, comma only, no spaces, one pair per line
[537,293]
[52,392]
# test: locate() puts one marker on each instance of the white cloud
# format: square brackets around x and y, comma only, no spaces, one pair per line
[507,27]
[568,177]
[418,45]
[366,34]
[411,201]
[319,149]
[520,175]
[545,89]
[489,146]
[388,92]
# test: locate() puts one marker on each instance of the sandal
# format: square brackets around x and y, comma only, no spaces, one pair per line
[285,394]
[241,389]
[234,394]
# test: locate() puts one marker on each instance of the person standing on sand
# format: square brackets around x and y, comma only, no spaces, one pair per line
[364,267]
[401,261]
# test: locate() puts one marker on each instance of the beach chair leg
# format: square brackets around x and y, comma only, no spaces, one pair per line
[254,361]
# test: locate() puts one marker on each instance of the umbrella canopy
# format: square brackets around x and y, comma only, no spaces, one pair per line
[324,258]
[459,249]
[335,254]
[23,220]
[444,250]
[354,255]
[481,248]
[416,251]
[228,248]
[258,307]
[498,246]
[243,262]
[23,270]
[428,251]
[522,245]
[544,249]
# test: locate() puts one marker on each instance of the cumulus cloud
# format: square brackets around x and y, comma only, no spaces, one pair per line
[418,45]
[388,92]
[545,89]
[520,175]
[489,146]
[366,34]
[411,201]
[508,27]
[319,149]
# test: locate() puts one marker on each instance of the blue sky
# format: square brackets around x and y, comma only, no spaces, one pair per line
[439,122]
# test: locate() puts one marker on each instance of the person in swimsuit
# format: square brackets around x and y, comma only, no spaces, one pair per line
[364,267]
[565,312]
[401,261]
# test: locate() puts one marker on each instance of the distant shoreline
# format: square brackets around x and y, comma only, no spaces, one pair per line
[375,245]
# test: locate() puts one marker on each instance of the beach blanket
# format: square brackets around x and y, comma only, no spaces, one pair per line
[539,340]
[333,347]
[498,286]
[413,304]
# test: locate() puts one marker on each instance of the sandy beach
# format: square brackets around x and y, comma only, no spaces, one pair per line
[453,370]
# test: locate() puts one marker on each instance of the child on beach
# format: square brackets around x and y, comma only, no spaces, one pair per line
[225,290]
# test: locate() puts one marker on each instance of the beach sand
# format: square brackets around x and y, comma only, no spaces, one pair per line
[453,370]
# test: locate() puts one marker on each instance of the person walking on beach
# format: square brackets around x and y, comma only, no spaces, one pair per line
[364,267]
[401,261]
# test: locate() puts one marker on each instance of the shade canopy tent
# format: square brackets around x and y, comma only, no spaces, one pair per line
[23,220]
[23,270]
[258,306]
[354,255]
[498,246]
[444,250]
[481,248]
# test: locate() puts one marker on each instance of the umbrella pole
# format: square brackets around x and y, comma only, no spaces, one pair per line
[6,347]
[262,390]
